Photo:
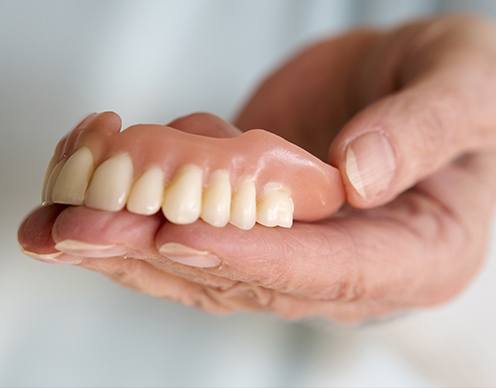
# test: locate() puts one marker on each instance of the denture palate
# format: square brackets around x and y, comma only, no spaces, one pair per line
[254,177]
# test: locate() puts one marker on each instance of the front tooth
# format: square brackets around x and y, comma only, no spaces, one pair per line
[146,194]
[217,199]
[182,198]
[244,205]
[110,185]
[52,178]
[275,208]
[73,179]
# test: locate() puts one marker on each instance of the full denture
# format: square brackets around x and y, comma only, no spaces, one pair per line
[254,177]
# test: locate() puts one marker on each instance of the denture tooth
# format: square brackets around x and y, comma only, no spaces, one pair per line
[48,171]
[52,178]
[147,191]
[216,204]
[110,184]
[244,205]
[182,198]
[73,179]
[275,208]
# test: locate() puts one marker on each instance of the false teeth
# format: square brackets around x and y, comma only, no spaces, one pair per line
[73,178]
[275,208]
[44,194]
[183,196]
[52,178]
[147,191]
[110,185]
[244,205]
[183,200]
[217,199]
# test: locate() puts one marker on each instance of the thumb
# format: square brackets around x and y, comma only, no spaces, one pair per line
[401,139]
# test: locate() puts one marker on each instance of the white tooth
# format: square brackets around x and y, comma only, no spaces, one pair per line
[244,205]
[73,179]
[52,178]
[44,194]
[110,184]
[147,191]
[217,199]
[182,198]
[275,208]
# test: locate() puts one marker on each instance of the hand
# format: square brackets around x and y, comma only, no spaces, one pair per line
[409,119]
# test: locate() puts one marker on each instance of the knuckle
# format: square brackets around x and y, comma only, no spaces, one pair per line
[241,296]
[204,300]
[346,290]
[125,275]
[436,133]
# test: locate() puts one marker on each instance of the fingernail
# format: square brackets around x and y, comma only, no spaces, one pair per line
[370,164]
[43,256]
[188,256]
[80,248]
[55,257]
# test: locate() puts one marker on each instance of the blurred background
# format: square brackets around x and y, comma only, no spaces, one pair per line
[152,61]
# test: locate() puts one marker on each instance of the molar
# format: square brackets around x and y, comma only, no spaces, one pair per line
[52,178]
[244,205]
[217,199]
[275,208]
[147,191]
[110,185]
[182,198]
[73,178]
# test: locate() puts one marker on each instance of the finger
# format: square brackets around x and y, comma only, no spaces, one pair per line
[348,260]
[87,232]
[121,246]
[96,235]
[34,233]
[320,261]
[444,110]
[352,258]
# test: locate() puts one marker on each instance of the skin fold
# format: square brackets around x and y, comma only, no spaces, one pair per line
[414,230]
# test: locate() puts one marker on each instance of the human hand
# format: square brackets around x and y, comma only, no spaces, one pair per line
[432,101]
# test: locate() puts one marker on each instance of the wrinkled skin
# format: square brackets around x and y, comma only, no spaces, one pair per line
[430,86]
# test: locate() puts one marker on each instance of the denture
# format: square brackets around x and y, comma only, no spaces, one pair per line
[256,177]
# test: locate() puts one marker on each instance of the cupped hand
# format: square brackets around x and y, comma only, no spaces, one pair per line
[406,115]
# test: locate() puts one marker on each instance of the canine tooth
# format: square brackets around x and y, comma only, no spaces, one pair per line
[52,178]
[110,184]
[73,179]
[216,204]
[146,194]
[275,208]
[244,205]
[182,198]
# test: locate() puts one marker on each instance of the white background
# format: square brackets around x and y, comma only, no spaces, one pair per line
[152,61]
